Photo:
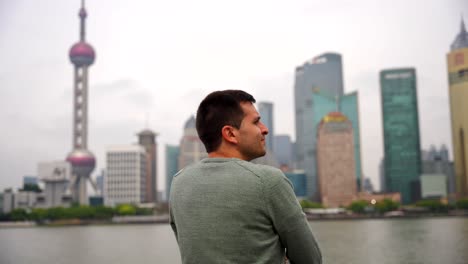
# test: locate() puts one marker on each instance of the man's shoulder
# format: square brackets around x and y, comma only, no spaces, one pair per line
[268,174]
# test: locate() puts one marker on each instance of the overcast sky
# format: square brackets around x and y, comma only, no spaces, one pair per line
[157,59]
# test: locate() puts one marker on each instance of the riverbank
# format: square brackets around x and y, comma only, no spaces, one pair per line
[389,215]
[164,219]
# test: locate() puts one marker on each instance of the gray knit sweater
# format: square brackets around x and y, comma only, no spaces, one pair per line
[233,211]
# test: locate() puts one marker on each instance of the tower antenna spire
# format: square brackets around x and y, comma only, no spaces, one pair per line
[462,25]
[82,14]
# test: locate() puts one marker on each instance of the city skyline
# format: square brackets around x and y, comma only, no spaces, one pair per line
[155,67]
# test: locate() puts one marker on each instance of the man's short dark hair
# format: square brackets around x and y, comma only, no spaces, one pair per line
[218,109]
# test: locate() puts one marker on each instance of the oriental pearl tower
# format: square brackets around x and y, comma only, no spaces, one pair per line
[82,56]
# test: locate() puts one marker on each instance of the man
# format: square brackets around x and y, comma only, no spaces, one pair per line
[225,209]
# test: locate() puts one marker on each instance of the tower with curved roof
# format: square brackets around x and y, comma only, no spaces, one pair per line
[457,64]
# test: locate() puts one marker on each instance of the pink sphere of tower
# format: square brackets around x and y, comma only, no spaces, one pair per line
[82,161]
[82,54]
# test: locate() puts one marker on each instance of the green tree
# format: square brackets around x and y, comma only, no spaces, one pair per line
[30,187]
[4,217]
[358,206]
[57,213]
[462,204]
[386,205]
[126,209]
[38,214]
[19,214]
[144,211]
[82,212]
[103,212]
[433,205]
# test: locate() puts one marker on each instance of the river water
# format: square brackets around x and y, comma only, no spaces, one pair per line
[426,240]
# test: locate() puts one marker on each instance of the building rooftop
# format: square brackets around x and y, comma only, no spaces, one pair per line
[461,41]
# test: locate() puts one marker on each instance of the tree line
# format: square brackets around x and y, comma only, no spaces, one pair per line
[84,212]
[388,205]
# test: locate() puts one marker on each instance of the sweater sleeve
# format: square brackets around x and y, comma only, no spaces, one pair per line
[172,223]
[291,224]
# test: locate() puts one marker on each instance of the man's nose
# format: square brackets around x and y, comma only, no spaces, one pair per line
[264,129]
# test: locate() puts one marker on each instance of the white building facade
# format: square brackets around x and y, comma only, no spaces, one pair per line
[56,176]
[125,180]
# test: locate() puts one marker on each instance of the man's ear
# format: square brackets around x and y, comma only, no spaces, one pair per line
[229,134]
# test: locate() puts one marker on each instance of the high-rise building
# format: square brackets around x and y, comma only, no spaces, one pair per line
[283,150]
[436,162]
[383,188]
[125,181]
[82,56]
[402,159]
[100,183]
[318,90]
[335,160]
[172,166]
[299,182]
[433,186]
[346,104]
[457,64]
[32,180]
[367,185]
[265,109]
[322,73]
[147,139]
[191,148]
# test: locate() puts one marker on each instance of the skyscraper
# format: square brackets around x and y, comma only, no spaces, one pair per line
[265,109]
[346,104]
[436,162]
[283,150]
[147,139]
[191,148]
[457,64]
[33,180]
[335,160]
[172,166]
[125,181]
[383,188]
[322,73]
[82,56]
[402,159]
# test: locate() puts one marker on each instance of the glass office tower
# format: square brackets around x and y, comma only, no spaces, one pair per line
[172,165]
[402,158]
[318,91]
[265,109]
[323,73]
